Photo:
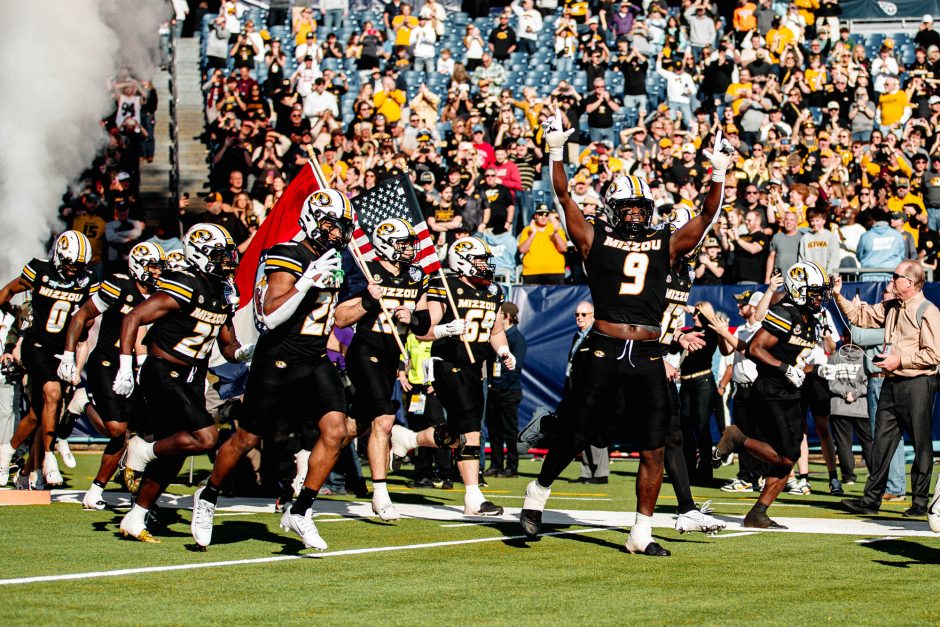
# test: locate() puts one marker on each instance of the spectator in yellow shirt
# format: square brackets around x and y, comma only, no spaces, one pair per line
[894,107]
[402,25]
[389,101]
[542,245]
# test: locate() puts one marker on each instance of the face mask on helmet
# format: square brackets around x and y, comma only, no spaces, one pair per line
[146,263]
[326,220]
[210,249]
[631,215]
[808,286]
[395,241]
[71,255]
[472,258]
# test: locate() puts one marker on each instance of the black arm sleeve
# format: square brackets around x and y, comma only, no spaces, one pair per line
[420,322]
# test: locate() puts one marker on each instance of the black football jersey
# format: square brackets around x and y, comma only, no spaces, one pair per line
[678,286]
[795,338]
[627,277]
[54,301]
[206,305]
[304,334]
[115,298]
[406,288]
[478,307]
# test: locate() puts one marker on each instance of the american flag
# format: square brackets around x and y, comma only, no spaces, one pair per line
[393,198]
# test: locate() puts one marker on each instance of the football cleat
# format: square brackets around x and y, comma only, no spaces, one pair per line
[653,549]
[62,446]
[738,485]
[132,527]
[387,511]
[933,512]
[92,499]
[800,487]
[301,460]
[730,440]
[694,520]
[304,527]
[201,524]
[400,440]
[531,515]
[835,487]
[50,469]
[138,455]
[535,434]
[760,520]
[6,457]
[486,508]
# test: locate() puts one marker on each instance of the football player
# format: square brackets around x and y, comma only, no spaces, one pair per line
[458,382]
[188,312]
[620,363]
[291,377]
[107,411]
[373,356]
[787,335]
[58,289]
[679,284]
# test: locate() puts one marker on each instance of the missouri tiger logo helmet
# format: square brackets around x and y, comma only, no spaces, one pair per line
[146,262]
[71,255]
[326,211]
[629,205]
[210,249]
[471,257]
[176,260]
[679,217]
[395,240]
[808,285]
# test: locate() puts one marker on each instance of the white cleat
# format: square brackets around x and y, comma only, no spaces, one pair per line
[92,499]
[133,527]
[62,446]
[139,454]
[933,512]
[304,527]
[50,469]
[201,525]
[6,458]
[386,511]
[695,520]
[402,441]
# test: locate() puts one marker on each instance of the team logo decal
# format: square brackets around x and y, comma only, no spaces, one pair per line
[202,299]
[280,364]
[139,250]
[385,229]
[415,273]
[460,290]
[200,236]
[599,353]
[798,273]
[63,241]
[463,247]
[492,289]
[174,374]
[797,329]
[374,359]
[105,363]
[129,298]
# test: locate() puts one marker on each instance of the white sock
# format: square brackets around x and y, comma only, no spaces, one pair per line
[138,513]
[540,489]
[380,493]
[642,531]
[95,491]
[472,496]
[147,449]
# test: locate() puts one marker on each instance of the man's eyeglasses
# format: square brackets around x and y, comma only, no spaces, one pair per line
[581,315]
[897,277]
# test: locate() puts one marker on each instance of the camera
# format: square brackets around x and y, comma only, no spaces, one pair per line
[11,372]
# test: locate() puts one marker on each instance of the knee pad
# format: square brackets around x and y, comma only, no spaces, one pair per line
[443,438]
[114,445]
[468,452]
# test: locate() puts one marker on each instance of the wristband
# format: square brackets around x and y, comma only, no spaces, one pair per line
[718,176]
[369,303]
[783,367]
[126,362]
[67,357]
[556,154]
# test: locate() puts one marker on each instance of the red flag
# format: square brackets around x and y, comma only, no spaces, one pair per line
[281,225]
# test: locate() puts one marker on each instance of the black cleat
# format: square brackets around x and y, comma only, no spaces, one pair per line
[531,520]
[486,509]
[857,507]
[730,440]
[760,520]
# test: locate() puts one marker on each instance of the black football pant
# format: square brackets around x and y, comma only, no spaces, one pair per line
[750,469]
[675,457]
[502,423]
[906,405]
[842,436]
[696,402]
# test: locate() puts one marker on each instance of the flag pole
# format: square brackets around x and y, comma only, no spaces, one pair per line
[361,262]
[453,306]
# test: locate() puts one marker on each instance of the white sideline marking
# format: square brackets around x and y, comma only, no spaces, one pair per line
[719,536]
[554,498]
[279,558]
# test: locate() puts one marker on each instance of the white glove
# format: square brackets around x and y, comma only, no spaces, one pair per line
[556,136]
[795,376]
[124,381]
[451,329]
[720,157]
[507,357]
[827,372]
[244,352]
[66,370]
[428,368]
[319,273]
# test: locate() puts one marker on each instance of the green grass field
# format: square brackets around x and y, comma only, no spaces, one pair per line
[582,575]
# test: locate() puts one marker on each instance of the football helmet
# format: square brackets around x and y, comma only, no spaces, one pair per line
[71,255]
[471,257]
[395,240]
[210,249]
[808,285]
[680,216]
[323,211]
[144,260]
[624,196]
[176,260]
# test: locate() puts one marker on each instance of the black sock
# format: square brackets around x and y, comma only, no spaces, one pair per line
[803,477]
[304,501]
[99,484]
[832,475]
[210,493]
[759,508]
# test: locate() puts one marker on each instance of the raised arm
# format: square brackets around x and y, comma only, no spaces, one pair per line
[689,236]
[571,216]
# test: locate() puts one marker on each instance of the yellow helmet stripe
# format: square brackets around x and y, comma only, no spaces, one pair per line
[81,246]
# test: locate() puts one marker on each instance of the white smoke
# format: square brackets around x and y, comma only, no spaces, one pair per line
[57,59]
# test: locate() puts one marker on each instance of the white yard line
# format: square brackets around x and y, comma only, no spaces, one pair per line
[722,536]
[278,558]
